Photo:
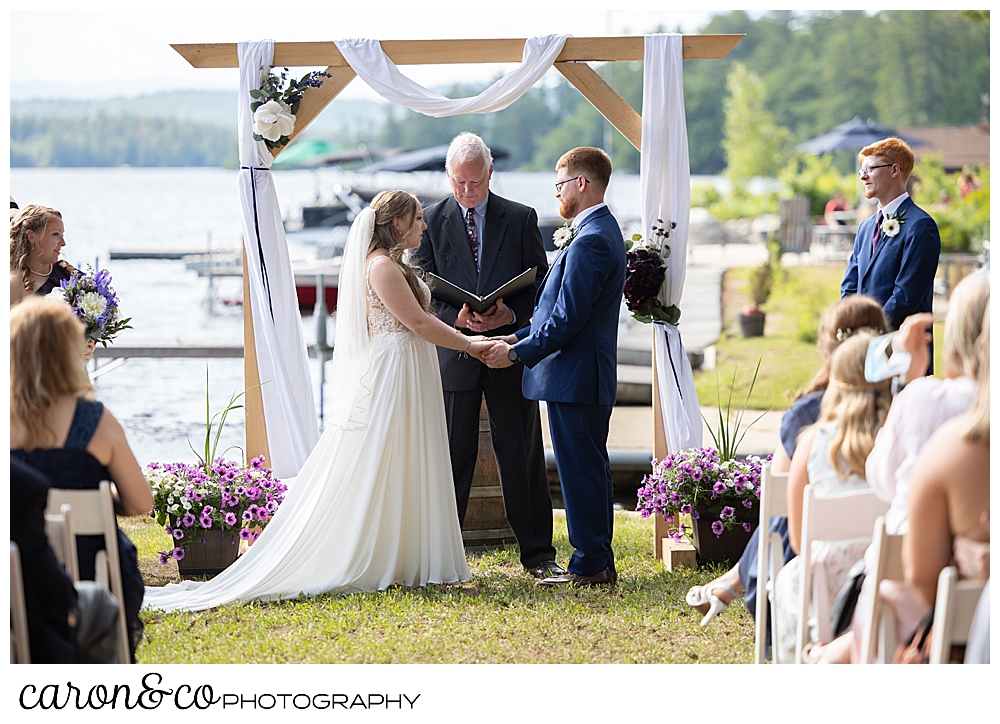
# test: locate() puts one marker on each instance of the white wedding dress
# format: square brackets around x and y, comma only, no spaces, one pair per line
[374,504]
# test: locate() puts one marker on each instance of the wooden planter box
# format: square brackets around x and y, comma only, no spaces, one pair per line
[752,325]
[208,553]
[728,547]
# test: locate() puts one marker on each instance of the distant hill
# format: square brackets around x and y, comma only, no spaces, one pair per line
[178,128]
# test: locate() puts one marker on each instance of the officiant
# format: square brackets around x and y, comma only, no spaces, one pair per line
[480,241]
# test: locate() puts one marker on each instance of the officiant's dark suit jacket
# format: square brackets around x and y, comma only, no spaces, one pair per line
[900,272]
[511,244]
[570,352]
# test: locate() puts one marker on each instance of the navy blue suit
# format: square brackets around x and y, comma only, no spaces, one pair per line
[900,273]
[570,356]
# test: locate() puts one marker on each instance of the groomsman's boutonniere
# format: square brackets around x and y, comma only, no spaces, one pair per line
[891,224]
[564,235]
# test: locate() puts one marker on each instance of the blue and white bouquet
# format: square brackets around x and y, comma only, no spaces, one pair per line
[95,303]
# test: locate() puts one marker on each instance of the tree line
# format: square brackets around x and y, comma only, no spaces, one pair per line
[816,70]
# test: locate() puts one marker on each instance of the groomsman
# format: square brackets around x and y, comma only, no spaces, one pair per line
[569,353]
[896,251]
[479,241]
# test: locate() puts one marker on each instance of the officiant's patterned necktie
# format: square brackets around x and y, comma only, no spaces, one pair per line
[470,229]
[878,231]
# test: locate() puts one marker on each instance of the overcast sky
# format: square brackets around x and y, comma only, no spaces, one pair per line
[105,49]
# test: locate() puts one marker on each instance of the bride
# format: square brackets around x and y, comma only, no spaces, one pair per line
[374,504]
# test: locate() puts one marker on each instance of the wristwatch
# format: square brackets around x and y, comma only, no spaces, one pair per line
[512,355]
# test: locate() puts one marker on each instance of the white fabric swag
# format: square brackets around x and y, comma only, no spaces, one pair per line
[286,386]
[665,189]
[373,66]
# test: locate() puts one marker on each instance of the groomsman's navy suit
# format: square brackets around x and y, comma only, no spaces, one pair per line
[511,244]
[570,357]
[900,272]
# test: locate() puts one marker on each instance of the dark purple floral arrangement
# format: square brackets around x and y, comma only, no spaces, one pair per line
[224,496]
[94,302]
[645,271]
[682,481]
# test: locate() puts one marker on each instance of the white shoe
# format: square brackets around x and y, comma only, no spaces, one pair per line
[707,603]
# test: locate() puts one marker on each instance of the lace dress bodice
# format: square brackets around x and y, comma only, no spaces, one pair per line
[381,322]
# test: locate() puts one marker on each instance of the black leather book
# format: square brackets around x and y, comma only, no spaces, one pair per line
[445,291]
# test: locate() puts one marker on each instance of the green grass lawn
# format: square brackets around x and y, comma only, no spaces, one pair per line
[787,351]
[500,616]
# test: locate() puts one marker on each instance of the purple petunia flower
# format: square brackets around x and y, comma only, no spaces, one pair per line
[718,527]
[177,533]
[747,503]
[177,553]
[230,518]
[747,527]
[686,509]
[163,559]
[245,534]
[206,521]
[727,512]
[188,520]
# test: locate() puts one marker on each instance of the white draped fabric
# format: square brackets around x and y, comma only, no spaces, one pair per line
[665,189]
[373,66]
[286,387]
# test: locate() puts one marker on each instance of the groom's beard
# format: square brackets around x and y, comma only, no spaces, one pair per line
[568,208]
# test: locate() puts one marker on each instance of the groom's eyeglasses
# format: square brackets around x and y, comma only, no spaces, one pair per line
[862,172]
[560,184]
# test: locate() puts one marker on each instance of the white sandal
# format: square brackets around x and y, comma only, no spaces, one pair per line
[707,603]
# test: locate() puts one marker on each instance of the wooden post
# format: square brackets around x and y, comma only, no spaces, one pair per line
[661,529]
[256,427]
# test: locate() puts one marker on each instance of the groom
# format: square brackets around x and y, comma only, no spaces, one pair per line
[570,357]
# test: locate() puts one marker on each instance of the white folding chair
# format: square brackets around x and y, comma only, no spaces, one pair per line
[20,653]
[837,517]
[62,538]
[93,513]
[773,502]
[878,618]
[954,608]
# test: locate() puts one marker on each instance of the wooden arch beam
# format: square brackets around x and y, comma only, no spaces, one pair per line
[434,52]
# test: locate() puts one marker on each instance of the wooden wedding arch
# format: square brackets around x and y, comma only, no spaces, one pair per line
[571,62]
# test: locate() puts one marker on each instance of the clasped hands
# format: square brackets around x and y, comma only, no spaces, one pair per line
[491,351]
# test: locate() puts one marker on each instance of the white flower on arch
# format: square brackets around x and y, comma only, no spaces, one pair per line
[273,120]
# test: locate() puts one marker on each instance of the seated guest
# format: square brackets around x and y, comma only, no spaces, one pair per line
[67,624]
[950,491]
[838,322]
[830,456]
[57,428]
[916,412]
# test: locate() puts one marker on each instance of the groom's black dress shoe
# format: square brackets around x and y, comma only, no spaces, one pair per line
[546,569]
[607,577]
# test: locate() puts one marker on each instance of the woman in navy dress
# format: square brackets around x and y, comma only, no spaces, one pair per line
[58,428]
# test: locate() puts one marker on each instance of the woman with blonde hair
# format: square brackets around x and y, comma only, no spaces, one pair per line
[58,428]
[831,457]
[837,324]
[36,239]
[374,504]
[949,499]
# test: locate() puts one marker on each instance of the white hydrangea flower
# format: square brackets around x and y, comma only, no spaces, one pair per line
[273,120]
[93,305]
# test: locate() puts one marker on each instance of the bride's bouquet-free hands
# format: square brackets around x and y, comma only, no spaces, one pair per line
[478,347]
[95,303]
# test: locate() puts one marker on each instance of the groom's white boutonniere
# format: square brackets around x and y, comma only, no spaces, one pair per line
[564,235]
[891,224]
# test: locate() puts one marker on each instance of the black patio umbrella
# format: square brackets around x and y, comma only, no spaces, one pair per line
[853,136]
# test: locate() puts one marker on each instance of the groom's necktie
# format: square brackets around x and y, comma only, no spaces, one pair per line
[878,231]
[470,229]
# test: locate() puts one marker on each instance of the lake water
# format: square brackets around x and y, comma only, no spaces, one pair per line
[161,402]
